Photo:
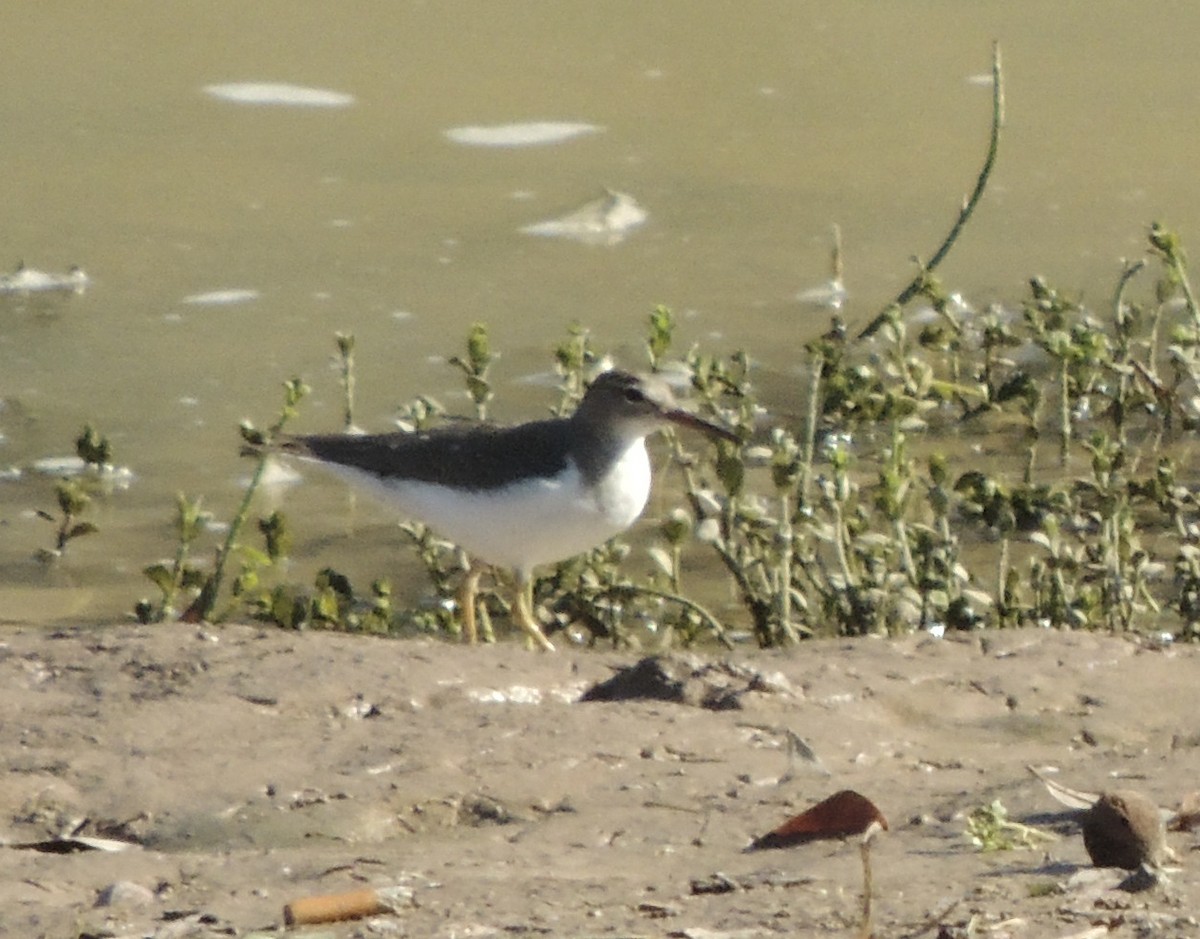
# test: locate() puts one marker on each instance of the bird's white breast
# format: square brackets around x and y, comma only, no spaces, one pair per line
[524,524]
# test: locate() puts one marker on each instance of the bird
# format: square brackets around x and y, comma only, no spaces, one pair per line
[522,495]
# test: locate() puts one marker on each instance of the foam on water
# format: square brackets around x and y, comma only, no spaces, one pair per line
[531,134]
[279,94]
[222,297]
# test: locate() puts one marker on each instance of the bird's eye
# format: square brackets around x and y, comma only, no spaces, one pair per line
[634,395]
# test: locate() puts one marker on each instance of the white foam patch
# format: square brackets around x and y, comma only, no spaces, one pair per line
[277,474]
[222,297]
[27,280]
[279,94]
[65,467]
[531,134]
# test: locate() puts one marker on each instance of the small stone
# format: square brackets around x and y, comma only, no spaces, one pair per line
[1187,816]
[125,893]
[1124,829]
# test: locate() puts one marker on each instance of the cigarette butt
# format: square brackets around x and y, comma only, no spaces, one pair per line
[334,908]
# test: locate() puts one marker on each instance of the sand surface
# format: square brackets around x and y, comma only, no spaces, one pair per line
[255,767]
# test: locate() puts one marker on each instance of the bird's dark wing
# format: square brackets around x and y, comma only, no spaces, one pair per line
[472,456]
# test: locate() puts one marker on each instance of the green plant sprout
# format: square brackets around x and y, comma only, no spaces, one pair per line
[990,829]
[203,607]
[475,368]
[74,494]
[73,500]
[179,577]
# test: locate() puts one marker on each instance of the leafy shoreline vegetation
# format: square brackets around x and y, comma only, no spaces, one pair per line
[855,522]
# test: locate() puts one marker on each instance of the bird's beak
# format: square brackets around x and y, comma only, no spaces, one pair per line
[685,419]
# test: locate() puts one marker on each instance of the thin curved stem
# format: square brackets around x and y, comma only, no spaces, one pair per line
[967,209]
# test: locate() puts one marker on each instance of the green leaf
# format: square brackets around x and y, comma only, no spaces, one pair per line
[246,582]
[325,606]
[662,559]
[253,557]
[730,469]
[93,448]
[479,349]
[662,329]
[274,529]
[329,579]
[161,575]
[189,517]
[287,609]
[676,526]
[72,499]
[251,434]
[193,578]
[295,391]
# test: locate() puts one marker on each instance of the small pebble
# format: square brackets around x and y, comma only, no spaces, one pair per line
[125,893]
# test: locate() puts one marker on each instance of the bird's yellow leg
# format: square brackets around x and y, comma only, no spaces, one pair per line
[466,604]
[523,614]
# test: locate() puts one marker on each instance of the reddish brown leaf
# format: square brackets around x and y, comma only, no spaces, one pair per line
[843,814]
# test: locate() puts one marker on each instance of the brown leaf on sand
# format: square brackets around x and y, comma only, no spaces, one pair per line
[843,814]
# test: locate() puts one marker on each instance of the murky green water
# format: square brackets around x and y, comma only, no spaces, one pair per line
[745,132]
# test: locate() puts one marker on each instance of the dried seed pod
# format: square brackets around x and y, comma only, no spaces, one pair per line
[1124,829]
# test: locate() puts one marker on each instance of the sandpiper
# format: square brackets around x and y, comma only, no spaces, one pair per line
[524,495]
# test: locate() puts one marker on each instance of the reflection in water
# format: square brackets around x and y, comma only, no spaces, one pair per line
[830,295]
[604,221]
